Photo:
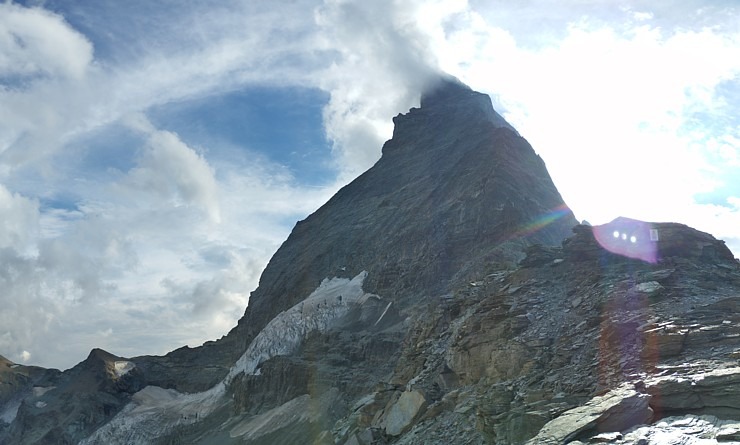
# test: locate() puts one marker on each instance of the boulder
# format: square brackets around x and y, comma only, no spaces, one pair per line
[403,413]
[715,392]
[649,288]
[617,410]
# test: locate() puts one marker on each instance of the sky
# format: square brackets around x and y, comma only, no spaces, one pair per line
[155,154]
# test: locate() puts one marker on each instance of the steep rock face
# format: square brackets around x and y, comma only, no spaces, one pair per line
[579,333]
[17,383]
[68,406]
[456,185]
[46,406]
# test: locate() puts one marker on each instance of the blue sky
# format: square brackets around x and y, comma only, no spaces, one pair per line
[154,154]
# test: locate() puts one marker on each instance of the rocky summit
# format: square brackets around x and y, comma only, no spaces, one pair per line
[447,295]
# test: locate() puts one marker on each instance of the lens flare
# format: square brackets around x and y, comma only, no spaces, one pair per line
[630,238]
[542,221]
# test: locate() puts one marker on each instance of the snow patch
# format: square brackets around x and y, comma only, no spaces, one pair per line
[39,391]
[10,411]
[122,367]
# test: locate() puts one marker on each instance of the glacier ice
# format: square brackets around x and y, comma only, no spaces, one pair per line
[154,411]
[284,334]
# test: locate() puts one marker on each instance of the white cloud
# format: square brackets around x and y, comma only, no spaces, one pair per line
[612,109]
[171,170]
[206,50]
[143,257]
[45,67]
[35,42]
[608,95]
[101,266]
[218,299]
[26,313]
[384,61]
[19,221]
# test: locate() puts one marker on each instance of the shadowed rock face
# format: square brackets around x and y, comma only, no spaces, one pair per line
[456,186]
[65,407]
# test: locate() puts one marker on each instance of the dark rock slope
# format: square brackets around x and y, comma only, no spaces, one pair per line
[478,311]
[456,186]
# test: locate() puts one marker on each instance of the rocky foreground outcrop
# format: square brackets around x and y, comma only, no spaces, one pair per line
[445,296]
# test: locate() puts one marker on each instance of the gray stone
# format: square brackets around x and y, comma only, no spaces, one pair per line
[649,287]
[617,410]
[353,440]
[404,411]
[714,392]
[728,435]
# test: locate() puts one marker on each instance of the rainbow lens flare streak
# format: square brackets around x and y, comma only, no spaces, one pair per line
[542,221]
[623,236]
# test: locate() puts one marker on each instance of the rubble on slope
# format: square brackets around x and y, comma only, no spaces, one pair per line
[515,349]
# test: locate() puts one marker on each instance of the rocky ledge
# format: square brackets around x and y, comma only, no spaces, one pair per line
[655,412]
[584,343]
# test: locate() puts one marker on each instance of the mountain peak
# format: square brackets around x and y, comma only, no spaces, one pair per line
[100,355]
[456,187]
[444,89]
[448,96]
